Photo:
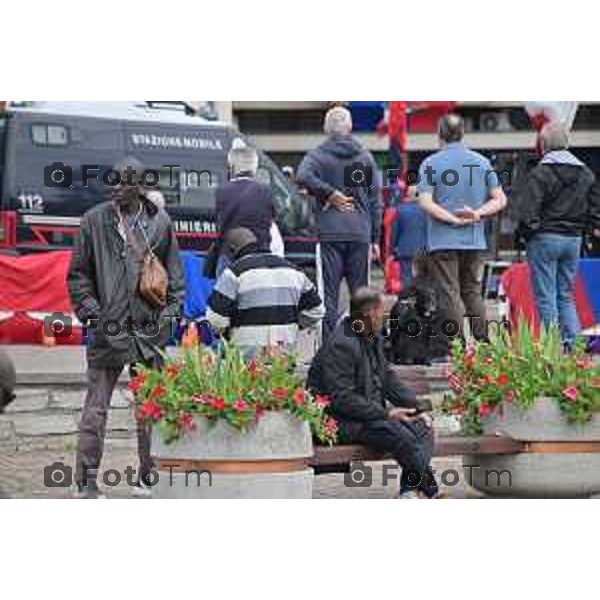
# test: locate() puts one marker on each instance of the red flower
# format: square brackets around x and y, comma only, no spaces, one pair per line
[331,426]
[485,410]
[488,361]
[487,380]
[253,368]
[583,363]
[299,397]
[172,371]
[279,393]
[322,401]
[158,391]
[570,393]
[186,421]
[469,356]
[503,379]
[151,410]
[201,399]
[240,405]
[259,412]
[509,396]
[454,381]
[217,403]
[135,385]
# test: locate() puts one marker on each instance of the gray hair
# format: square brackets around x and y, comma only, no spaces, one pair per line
[338,121]
[243,158]
[554,136]
[451,128]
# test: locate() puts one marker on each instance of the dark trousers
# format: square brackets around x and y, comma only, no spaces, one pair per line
[411,444]
[92,427]
[459,275]
[342,260]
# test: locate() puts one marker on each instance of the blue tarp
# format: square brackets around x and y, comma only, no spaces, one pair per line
[197,287]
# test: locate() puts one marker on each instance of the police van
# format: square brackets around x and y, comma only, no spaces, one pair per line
[55,161]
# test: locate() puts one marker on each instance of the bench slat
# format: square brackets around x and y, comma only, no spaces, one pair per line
[328,456]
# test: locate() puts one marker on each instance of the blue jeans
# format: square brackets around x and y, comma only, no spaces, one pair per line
[553,264]
[406,276]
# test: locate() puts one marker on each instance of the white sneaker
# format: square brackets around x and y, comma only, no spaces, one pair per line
[410,495]
[141,490]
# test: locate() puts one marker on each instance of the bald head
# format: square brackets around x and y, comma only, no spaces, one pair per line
[451,128]
[554,137]
[239,238]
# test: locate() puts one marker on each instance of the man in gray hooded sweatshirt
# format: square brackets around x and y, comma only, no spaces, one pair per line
[560,201]
[342,176]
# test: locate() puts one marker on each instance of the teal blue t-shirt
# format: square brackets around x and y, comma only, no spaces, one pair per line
[456,177]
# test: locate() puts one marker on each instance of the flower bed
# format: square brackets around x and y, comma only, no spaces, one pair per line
[200,383]
[516,371]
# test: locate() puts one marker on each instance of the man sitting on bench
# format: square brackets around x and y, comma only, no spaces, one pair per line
[351,369]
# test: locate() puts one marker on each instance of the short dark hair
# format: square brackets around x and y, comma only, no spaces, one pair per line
[364,298]
[451,128]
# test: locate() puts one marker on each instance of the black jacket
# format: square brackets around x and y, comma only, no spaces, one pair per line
[103,283]
[245,202]
[561,196]
[346,368]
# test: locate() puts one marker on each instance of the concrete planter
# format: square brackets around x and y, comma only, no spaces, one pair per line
[538,474]
[269,460]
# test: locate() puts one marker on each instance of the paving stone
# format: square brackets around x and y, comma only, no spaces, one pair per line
[29,400]
[120,419]
[8,435]
[32,424]
[58,443]
[67,399]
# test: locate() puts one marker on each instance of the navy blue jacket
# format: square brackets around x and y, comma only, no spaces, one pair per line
[327,169]
[245,202]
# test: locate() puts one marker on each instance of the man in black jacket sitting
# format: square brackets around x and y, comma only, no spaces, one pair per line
[350,368]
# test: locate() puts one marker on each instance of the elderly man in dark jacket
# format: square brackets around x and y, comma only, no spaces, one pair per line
[350,368]
[559,202]
[125,328]
[342,176]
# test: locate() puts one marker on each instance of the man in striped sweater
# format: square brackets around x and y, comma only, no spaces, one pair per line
[262,299]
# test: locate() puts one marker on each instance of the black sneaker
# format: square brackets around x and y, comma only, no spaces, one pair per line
[86,492]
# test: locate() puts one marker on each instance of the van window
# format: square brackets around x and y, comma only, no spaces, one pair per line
[49,135]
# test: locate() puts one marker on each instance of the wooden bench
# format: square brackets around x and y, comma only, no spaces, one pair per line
[337,459]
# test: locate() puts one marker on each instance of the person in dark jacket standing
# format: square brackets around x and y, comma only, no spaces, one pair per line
[342,176]
[351,369]
[559,202]
[243,201]
[103,282]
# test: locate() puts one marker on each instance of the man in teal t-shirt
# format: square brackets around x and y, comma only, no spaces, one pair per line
[457,189]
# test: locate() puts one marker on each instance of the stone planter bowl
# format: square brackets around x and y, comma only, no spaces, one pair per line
[268,460]
[537,475]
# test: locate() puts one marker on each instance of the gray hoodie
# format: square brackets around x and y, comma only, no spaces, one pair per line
[329,168]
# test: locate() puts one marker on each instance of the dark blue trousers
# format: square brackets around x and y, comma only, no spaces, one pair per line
[342,260]
[411,444]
